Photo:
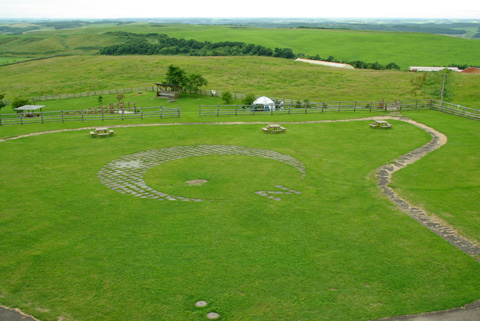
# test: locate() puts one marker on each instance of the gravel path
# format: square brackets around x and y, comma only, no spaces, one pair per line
[470,312]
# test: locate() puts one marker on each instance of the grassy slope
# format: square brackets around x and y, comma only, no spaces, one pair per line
[259,75]
[314,256]
[405,49]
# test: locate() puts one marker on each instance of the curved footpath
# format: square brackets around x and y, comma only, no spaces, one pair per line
[470,312]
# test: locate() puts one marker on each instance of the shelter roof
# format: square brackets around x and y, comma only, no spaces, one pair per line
[30,107]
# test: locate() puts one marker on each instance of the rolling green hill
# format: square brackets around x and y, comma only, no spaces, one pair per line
[258,75]
[404,49]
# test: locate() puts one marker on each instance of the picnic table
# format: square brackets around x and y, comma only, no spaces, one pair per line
[274,129]
[102,132]
[380,124]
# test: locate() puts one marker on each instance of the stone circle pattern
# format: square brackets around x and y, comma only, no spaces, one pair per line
[125,174]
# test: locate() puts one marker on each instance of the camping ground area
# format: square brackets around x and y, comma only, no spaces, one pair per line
[334,248]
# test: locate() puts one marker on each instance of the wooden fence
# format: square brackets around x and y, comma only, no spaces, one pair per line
[87,115]
[456,110]
[313,108]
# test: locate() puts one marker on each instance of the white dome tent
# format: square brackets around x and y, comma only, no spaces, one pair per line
[264,102]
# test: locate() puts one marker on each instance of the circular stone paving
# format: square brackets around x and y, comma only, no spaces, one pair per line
[125,174]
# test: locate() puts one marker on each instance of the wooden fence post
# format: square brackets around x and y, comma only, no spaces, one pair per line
[235,110]
[200,111]
[141,112]
[355,106]
[82,116]
[218,110]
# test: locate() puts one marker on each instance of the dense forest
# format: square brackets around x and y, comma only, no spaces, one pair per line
[161,44]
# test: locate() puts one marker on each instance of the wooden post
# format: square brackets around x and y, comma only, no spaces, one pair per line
[355,106]
[161,112]
[82,116]
[371,103]
[102,113]
[141,112]
[235,110]
[200,111]
[218,110]
[416,104]
[61,112]
[289,108]
[123,111]
[339,106]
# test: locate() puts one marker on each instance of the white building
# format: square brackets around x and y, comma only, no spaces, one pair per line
[326,63]
[418,68]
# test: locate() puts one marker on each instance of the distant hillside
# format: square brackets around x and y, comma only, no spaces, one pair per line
[403,49]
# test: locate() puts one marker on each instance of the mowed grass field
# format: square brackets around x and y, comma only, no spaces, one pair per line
[74,249]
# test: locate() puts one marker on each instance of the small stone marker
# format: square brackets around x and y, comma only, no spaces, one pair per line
[201,304]
[213,315]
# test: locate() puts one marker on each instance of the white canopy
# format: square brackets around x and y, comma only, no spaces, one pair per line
[265,101]
[29,107]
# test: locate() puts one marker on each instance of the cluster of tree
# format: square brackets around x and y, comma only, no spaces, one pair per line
[358,64]
[5,30]
[161,44]
[187,82]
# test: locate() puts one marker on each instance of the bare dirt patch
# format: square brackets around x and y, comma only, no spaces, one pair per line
[196,182]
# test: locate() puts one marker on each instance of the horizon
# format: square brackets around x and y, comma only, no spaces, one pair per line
[215,9]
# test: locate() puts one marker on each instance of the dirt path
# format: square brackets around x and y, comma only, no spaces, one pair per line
[470,312]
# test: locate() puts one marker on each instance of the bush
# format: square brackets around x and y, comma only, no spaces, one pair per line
[227,97]
[248,99]
[19,102]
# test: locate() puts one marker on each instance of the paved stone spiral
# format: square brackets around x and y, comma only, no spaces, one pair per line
[125,174]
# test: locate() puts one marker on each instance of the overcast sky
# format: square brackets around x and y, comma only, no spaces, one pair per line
[469,9]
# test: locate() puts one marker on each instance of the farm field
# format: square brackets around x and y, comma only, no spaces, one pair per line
[310,256]
[404,49]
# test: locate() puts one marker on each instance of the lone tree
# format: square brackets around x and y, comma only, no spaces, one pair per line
[187,82]
[2,103]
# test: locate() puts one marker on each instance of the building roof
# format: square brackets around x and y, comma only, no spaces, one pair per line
[472,70]
[30,107]
[326,63]
[420,68]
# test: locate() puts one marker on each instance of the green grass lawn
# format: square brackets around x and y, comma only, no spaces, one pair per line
[452,189]
[74,249]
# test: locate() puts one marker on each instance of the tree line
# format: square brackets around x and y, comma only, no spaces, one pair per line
[162,44]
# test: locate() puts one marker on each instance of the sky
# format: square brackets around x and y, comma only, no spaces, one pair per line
[114,9]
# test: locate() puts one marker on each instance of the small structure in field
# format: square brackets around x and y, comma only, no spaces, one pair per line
[326,63]
[263,103]
[419,68]
[167,91]
[471,70]
[30,110]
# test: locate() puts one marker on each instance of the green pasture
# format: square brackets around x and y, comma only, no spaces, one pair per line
[272,77]
[74,249]
[11,60]
[404,49]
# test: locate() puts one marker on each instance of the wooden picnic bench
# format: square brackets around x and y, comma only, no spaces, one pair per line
[381,124]
[274,129]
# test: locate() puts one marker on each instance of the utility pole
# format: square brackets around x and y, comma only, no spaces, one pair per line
[443,86]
